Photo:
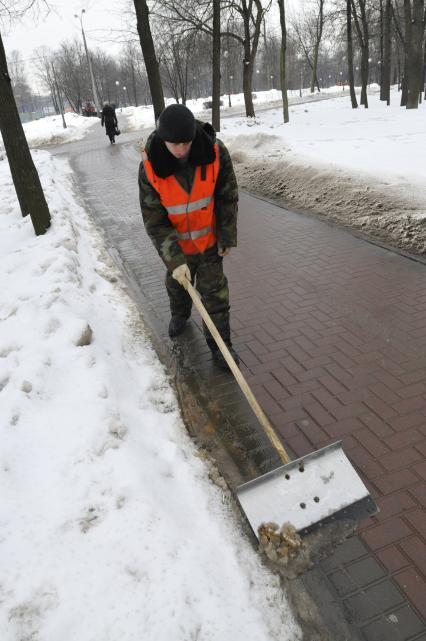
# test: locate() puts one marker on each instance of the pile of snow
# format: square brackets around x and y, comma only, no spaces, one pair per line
[110,526]
[50,130]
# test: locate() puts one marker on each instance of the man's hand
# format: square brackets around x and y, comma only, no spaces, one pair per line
[223,251]
[182,274]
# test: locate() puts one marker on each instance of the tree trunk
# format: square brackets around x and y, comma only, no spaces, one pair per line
[424,71]
[382,36]
[148,52]
[283,70]
[319,30]
[251,41]
[350,55]
[414,33]
[387,53]
[24,174]
[247,88]
[364,76]
[363,37]
[216,66]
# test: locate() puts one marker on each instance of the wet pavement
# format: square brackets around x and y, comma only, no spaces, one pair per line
[331,333]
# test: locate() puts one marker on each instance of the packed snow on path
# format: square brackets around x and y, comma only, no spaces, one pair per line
[110,527]
[50,130]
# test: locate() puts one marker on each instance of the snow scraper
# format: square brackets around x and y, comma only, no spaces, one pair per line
[309,492]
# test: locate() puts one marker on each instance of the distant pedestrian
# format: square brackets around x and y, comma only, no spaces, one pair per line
[189,200]
[109,119]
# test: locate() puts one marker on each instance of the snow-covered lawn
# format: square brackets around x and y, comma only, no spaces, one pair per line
[110,527]
[50,130]
[388,143]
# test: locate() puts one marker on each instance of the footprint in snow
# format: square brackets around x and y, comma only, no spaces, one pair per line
[91,518]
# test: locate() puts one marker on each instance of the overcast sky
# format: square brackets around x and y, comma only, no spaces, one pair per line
[102,21]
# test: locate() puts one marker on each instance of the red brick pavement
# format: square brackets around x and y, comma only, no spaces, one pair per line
[332,332]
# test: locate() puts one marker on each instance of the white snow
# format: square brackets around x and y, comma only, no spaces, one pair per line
[383,143]
[50,130]
[110,527]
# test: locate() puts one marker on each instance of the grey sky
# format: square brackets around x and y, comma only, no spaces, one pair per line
[102,17]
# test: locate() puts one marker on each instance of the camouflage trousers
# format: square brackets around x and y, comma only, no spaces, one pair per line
[207,274]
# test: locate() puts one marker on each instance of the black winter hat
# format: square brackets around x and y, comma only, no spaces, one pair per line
[176,124]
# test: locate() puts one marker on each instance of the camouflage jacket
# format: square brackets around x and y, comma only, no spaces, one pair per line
[157,223]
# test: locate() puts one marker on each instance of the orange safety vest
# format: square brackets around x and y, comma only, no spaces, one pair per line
[192,215]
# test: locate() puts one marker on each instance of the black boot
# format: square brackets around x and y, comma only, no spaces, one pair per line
[176,326]
[220,361]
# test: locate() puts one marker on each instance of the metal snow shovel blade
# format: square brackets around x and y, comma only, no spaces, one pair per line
[309,492]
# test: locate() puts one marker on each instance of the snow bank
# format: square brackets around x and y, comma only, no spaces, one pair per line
[50,130]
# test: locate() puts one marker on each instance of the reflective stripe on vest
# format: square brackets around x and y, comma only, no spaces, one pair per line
[192,215]
[193,234]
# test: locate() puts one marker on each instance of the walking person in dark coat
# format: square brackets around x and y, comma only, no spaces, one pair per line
[109,119]
[189,200]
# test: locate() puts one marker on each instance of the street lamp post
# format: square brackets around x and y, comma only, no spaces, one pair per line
[92,78]
[272,80]
[126,97]
[117,97]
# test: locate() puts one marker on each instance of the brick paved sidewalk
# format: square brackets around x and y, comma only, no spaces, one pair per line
[331,331]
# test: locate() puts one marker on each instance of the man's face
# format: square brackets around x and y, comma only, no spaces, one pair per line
[178,149]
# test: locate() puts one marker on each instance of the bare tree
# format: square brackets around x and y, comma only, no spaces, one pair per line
[414,13]
[308,27]
[283,70]
[198,16]
[24,174]
[148,51]
[177,52]
[43,64]
[350,54]
[216,66]
[72,72]
[319,28]
[359,10]
[387,53]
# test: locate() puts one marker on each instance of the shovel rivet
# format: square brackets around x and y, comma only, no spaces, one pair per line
[303,505]
[287,476]
[316,499]
[301,468]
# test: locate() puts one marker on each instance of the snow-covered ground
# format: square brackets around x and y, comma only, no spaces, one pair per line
[110,527]
[50,130]
[361,168]
[388,143]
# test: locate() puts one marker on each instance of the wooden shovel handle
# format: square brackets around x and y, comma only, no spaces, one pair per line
[270,432]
